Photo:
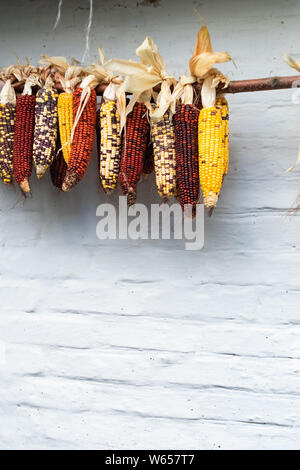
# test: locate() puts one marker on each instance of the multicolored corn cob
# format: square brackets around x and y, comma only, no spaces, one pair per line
[65,121]
[186,144]
[163,139]
[110,145]
[223,104]
[134,146]
[7,129]
[83,140]
[58,167]
[23,142]
[45,131]
[211,154]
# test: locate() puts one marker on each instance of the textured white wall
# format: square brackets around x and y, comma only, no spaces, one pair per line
[142,344]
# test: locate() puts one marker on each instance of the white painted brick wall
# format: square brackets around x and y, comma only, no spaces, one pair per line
[142,344]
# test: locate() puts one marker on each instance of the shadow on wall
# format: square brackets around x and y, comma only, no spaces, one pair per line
[149,3]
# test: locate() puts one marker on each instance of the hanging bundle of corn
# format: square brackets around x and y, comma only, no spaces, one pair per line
[24,133]
[7,127]
[83,132]
[108,125]
[135,137]
[69,75]
[140,80]
[212,127]
[45,132]
[134,147]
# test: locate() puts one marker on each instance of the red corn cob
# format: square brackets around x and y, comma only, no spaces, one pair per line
[134,146]
[58,167]
[186,144]
[83,140]
[148,166]
[98,137]
[23,142]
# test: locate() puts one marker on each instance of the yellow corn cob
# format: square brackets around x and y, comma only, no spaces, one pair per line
[110,146]
[211,154]
[65,121]
[163,139]
[223,104]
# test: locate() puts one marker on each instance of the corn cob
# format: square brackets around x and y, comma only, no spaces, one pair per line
[163,139]
[7,124]
[223,104]
[58,167]
[133,150]
[211,154]
[148,165]
[186,143]
[65,121]
[23,142]
[45,131]
[83,140]
[110,145]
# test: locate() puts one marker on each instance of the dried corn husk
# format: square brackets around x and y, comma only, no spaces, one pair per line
[204,58]
[201,66]
[291,62]
[141,78]
[114,90]
[68,74]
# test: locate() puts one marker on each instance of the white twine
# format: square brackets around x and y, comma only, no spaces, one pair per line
[58,14]
[87,38]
